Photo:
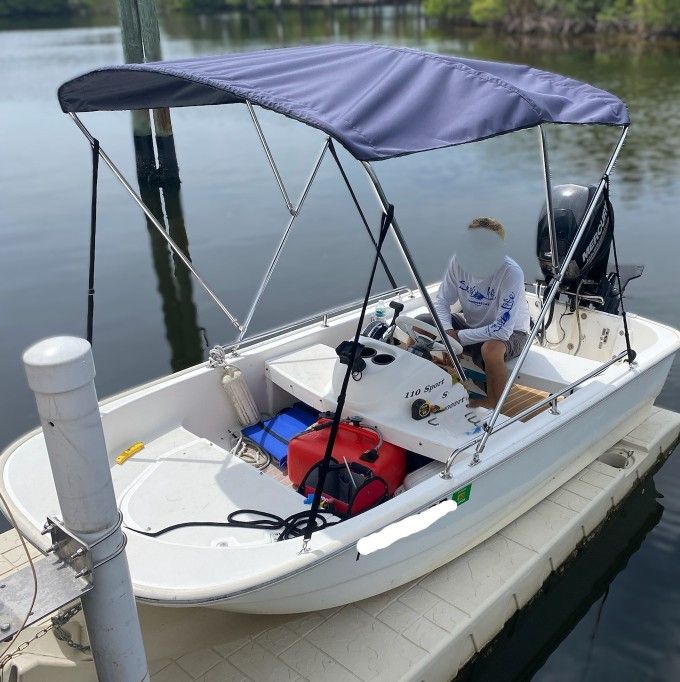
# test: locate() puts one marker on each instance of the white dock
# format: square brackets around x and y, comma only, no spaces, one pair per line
[426,630]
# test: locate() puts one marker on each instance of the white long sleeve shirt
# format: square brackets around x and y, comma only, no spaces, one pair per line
[493,307]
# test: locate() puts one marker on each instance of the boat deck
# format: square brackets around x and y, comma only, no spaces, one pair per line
[426,630]
[522,397]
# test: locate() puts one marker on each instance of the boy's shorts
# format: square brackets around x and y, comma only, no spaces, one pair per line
[513,345]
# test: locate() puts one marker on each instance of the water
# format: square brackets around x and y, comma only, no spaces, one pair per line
[618,615]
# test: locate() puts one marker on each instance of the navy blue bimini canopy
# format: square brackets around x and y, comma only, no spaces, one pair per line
[378,102]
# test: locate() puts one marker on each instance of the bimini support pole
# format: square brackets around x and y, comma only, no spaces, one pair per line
[629,350]
[61,372]
[552,292]
[552,234]
[382,198]
[154,221]
[284,238]
[270,158]
[293,210]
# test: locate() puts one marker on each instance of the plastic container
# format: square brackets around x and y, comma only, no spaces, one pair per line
[380,312]
[351,444]
[274,434]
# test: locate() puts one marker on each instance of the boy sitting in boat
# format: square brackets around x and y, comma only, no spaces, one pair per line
[494,323]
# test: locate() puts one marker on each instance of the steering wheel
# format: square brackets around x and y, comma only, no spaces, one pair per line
[418,330]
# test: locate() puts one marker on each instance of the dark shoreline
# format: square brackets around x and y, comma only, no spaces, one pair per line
[532,25]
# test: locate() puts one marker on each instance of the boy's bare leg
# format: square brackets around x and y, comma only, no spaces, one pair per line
[493,353]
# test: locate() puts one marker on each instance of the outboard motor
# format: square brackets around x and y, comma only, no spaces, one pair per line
[586,277]
[592,255]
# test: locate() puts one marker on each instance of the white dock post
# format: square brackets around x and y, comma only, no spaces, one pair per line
[61,373]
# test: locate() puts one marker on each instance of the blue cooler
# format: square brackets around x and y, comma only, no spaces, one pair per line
[274,434]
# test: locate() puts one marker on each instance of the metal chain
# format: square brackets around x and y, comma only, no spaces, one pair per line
[25,645]
[63,635]
[56,623]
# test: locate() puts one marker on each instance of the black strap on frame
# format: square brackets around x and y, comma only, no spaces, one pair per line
[385,223]
[631,352]
[331,149]
[93,237]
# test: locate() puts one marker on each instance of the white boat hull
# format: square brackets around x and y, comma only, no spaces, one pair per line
[520,466]
[498,497]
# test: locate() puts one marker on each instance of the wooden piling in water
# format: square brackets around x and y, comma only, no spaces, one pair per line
[133,51]
[142,42]
[165,142]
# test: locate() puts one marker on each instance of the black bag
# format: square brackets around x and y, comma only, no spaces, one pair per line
[346,493]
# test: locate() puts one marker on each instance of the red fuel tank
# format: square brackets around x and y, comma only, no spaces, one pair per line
[353,443]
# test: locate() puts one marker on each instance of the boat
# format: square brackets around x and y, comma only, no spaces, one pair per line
[207,525]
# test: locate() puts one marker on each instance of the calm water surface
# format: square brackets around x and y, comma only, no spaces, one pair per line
[616,614]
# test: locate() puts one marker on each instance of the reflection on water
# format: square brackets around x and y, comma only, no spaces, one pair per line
[152,319]
[581,590]
[174,281]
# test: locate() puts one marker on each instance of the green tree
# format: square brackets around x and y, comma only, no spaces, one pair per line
[488,11]
[16,7]
[657,15]
[572,9]
[51,7]
[448,9]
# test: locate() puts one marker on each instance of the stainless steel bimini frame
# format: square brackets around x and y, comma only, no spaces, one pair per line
[558,276]
[154,221]
[406,254]
[294,212]
[559,271]
[552,292]
[270,157]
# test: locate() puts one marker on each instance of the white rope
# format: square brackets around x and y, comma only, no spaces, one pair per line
[251,453]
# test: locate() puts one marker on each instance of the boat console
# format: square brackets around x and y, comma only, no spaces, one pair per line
[413,402]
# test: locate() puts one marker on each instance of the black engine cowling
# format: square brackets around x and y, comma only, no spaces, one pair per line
[592,255]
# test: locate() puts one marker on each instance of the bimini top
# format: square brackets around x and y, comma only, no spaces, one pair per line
[378,102]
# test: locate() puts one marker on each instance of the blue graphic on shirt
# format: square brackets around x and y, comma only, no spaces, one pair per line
[506,306]
[475,295]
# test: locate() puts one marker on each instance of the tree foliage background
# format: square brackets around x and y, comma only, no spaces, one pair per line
[639,15]
[567,16]
[47,7]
